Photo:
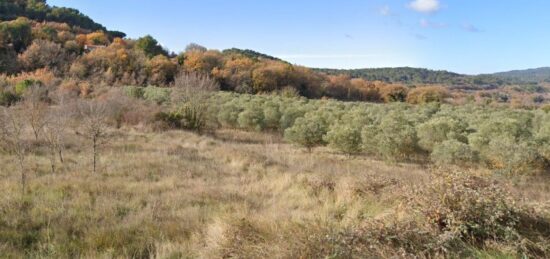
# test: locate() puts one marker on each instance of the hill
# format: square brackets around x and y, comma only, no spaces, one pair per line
[416,76]
[534,75]
[250,54]
[48,45]
[40,11]
[406,75]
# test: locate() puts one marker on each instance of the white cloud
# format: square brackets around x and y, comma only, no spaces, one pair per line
[425,6]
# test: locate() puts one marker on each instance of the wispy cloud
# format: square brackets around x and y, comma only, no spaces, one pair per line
[425,6]
[471,28]
[386,11]
[434,25]
[419,36]
[348,36]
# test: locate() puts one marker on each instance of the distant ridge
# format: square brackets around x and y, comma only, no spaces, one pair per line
[532,75]
[250,54]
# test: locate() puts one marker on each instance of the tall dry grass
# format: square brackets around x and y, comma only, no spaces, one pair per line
[176,194]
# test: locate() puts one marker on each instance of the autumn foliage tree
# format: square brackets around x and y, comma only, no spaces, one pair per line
[421,95]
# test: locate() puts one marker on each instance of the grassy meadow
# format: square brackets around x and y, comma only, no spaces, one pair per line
[234,194]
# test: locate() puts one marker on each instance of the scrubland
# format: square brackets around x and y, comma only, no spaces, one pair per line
[177,194]
[192,172]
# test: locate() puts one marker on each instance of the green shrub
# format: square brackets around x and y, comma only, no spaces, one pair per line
[252,117]
[345,138]
[272,115]
[437,130]
[229,114]
[193,117]
[134,91]
[308,131]
[509,156]
[156,94]
[395,138]
[22,86]
[290,114]
[453,152]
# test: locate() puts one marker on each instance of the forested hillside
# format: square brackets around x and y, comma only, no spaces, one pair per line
[527,76]
[61,47]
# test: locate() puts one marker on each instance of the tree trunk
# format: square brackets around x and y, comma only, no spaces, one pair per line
[23,174]
[60,154]
[52,159]
[94,140]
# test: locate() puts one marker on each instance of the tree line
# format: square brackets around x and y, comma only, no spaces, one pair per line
[505,140]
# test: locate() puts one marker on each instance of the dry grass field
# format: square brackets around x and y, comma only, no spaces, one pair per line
[176,194]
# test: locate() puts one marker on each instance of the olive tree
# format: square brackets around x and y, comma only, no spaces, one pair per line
[394,138]
[439,129]
[308,131]
[252,117]
[344,137]
[453,152]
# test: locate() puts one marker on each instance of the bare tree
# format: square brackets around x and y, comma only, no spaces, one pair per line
[54,132]
[192,91]
[35,108]
[93,118]
[12,131]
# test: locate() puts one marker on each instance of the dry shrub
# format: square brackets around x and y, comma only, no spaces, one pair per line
[479,212]
[454,215]
[45,76]
[319,184]
[374,185]
[235,238]
[373,239]
[427,94]
[127,111]
[393,93]
[72,87]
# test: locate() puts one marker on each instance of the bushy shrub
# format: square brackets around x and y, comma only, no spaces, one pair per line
[308,131]
[344,137]
[134,91]
[393,93]
[505,144]
[229,114]
[156,94]
[427,94]
[168,120]
[394,138]
[453,152]
[477,211]
[252,117]
[289,115]
[8,98]
[437,130]
[22,86]
[272,115]
[194,117]
[509,156]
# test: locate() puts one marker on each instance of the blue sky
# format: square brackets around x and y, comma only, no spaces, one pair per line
[466,36]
